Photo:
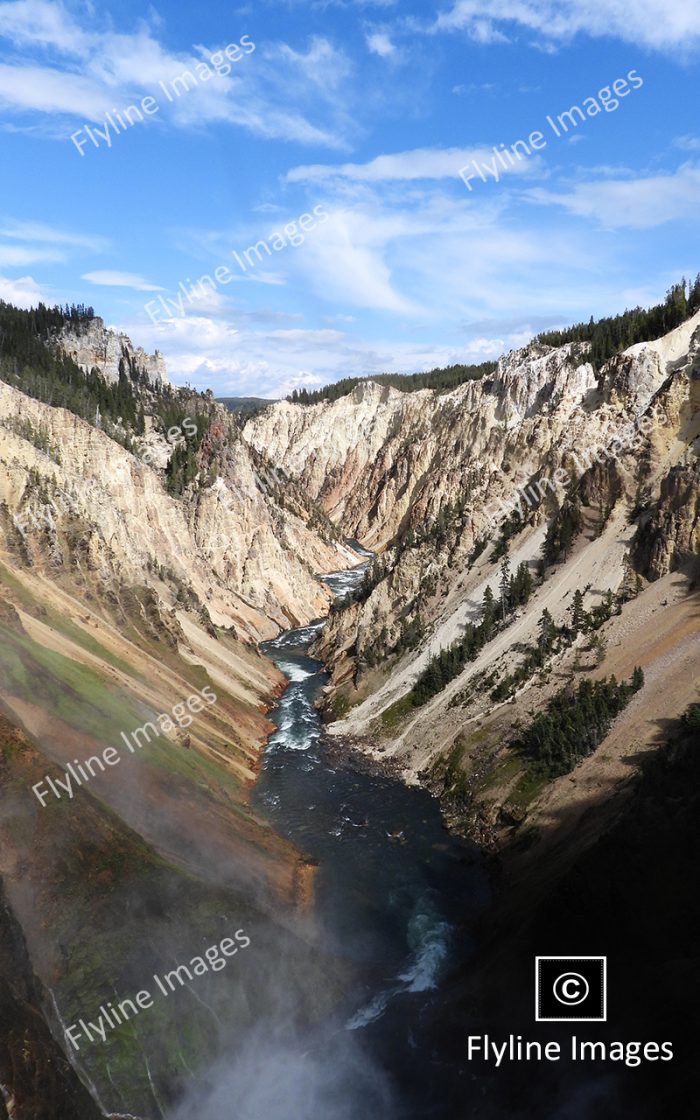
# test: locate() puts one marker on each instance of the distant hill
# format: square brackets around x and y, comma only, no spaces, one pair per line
[441,378]
[608,336]
[244,404]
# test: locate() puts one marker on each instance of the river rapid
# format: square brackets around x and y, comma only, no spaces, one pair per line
[395,894]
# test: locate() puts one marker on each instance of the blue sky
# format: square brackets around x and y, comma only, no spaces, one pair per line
[360,115]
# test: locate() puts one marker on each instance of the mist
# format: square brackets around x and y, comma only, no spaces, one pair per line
[276,1075]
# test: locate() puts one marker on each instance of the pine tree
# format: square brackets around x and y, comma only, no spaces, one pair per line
[489,614]
[546,634]
[600,648]
[521,585]
[504,586]
[577,612]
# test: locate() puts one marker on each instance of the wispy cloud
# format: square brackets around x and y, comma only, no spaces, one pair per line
[239,356]
[379,42]
[112,279]
[660,24]
[273,90]
[19,256]
[640,203]
[26,243]
[421,163]
[43,23]
[687,143]
[53,235]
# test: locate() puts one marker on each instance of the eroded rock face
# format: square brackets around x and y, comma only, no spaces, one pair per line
[669,537]
[379,460]
[425,477]
[640,371]
[85,500]
[95,346]
[137,595]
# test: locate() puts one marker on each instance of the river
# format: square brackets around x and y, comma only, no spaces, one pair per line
[395,894]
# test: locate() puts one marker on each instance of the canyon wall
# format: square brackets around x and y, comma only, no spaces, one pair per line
[80,498]
[445,486]
[91,345]
[131,605]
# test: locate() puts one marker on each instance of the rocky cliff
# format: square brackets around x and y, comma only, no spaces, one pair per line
[381,461]
[73,497]
[445,486]
[144,552]
[91,345]
[147,545]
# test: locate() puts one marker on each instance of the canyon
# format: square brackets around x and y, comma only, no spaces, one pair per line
[127,586]
[417,477]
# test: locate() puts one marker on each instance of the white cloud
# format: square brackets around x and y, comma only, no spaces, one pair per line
[420,163]
[443,268]
[475,87]
[346,261]
[425,255]
[275,91]
[46,90]
[379,42]
[483,31]
[27,22]
[636,204]
[660,24]
[323,5]
[112,279]
[341,258]
[240,360]
[687,143]
[297,336]
[39,231]
[22,291]
[322,64]
[302,380]
[24,243]
[18,256]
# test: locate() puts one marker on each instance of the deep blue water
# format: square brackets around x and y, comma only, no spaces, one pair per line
[395,894]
